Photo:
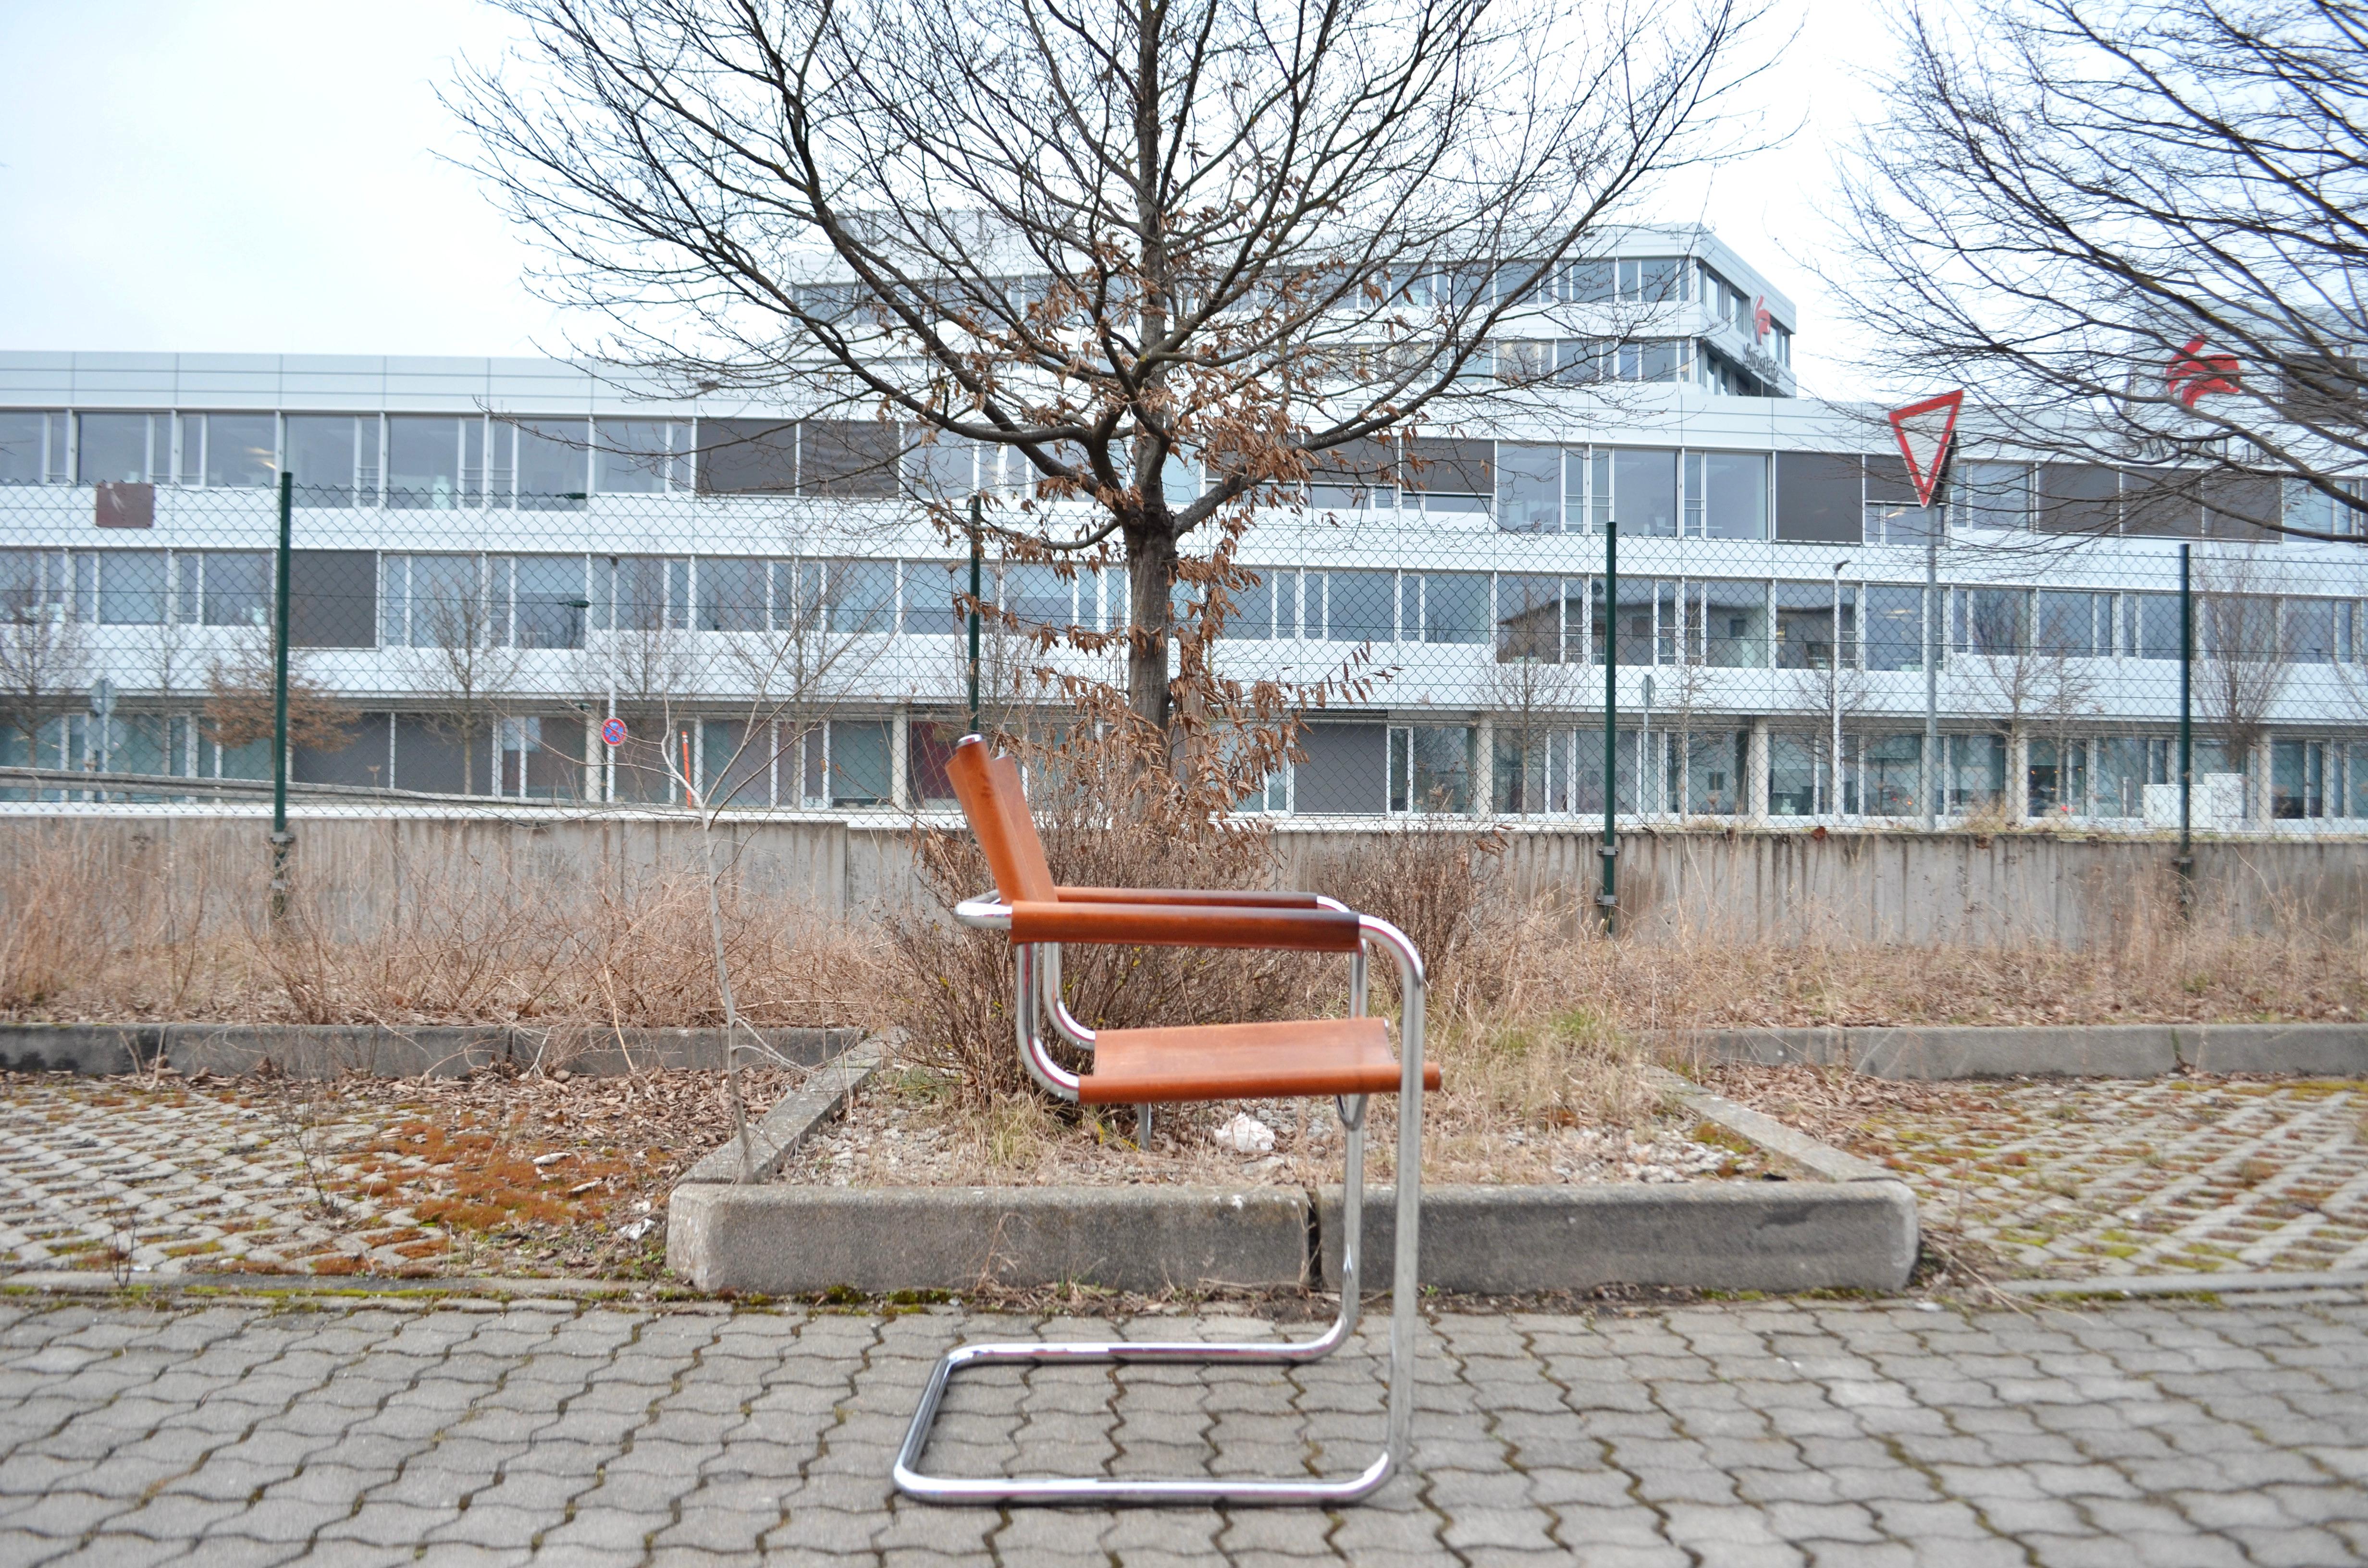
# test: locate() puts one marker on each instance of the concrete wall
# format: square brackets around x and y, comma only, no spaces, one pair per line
[1877,887]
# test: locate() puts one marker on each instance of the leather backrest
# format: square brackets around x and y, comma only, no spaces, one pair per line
[988,787]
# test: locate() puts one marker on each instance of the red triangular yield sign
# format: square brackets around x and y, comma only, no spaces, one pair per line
[1925,430]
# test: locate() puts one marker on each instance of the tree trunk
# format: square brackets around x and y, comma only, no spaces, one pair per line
[1150,569]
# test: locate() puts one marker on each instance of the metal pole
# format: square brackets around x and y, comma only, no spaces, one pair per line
[1834,693]
[977,551]
[1935,627]
[1608,898]
[2185,864]
[282,840]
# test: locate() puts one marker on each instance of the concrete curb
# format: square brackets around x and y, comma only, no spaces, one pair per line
[793,1121]
[782,1240]
[1504,1241]
[321,1050]
[1850,1227]
[2111,1050]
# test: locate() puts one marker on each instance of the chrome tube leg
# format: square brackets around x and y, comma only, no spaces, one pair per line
[1405,1285]
[1352,1213]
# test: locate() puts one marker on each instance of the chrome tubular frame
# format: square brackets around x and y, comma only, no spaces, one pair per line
[1030,981]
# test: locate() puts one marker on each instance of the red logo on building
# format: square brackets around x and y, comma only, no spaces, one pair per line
[2195,373]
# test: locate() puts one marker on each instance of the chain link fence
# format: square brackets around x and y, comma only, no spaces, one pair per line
[617,620]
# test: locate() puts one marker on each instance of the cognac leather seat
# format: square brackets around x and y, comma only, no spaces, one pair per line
[1244,1062]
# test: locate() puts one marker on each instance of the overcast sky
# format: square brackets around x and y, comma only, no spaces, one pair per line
[262,175]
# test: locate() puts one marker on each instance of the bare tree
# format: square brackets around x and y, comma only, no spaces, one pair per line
[465,654]
[2028,679]
[2134,230]
[1159,260]
[45,667]
[240,706]
[2242,664]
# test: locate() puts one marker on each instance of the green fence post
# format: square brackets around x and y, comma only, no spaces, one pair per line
[1608,898]
[2186,862]
[977,549]
[281,839]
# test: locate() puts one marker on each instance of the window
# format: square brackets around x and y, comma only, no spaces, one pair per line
[1645,492]
[1992,621]
[1893,513]
[1529,619]
[641,457]
[553,464]
[2306,505]
[948,468]
[334,458]
[1035,594]
[1991,495]
[432,601]
[123,448]
[32,447]
[1890,770]
[2309,630]
[1430,769]
[2298,778]
[1806,633]
[1357,606]
[130,587]
[2056,777]
[2121,768]
[1586,282]
[1451,476]
[1529,488]
[1358,476]
[1653,359]
[1652,279]
[641,593]
[1820,497]
[2076,498]
[731,594]
[1267,606]
[747,457]
[1455,606]
[423,462]
[1732,495]
[1800,775]
[1586,491]
[551,603]
[853,770]
[234,588]
[2073,625]
[862,595]
[847,458]
[1734,625]
[2150,626]
[1346,772]
[1582,362]
[1895,628]
[1973,772]
[240,450]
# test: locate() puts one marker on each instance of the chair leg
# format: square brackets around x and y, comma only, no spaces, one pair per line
[1106,1489]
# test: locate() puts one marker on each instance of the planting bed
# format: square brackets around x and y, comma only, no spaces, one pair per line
[901,1131]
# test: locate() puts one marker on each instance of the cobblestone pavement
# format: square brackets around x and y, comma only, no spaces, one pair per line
[361,1432]
[97,1175]
[142,1176]
[2070,1179]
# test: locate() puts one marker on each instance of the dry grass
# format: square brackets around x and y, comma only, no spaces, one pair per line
[1537,1022]
[172,927]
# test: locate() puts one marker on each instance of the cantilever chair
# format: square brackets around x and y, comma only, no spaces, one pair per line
[1347,1058]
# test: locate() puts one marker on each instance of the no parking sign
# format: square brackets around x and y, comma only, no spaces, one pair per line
[613,731]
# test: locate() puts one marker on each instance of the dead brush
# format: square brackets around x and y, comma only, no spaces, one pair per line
[1107,820]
